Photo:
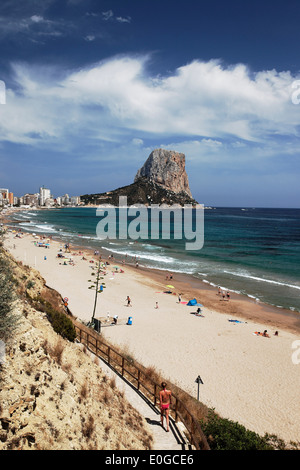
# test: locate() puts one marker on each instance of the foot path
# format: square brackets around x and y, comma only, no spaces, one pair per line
[162,440]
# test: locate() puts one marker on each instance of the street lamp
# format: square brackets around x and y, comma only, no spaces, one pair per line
[198,381]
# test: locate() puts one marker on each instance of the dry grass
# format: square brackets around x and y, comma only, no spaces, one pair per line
[57,350]
[83,391]
[88,427]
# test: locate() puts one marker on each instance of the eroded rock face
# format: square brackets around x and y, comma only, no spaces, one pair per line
[166,168]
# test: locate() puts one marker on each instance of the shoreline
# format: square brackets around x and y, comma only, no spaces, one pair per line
[247,378]
[238,305]
[272,315]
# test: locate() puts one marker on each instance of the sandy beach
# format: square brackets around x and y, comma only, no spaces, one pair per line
[247,378]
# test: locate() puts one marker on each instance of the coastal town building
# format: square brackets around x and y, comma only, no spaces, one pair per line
[43,198]
[44,195]
[31,199]
[5,197]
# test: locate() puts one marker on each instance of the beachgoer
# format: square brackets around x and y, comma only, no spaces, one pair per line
[228,295]
[156,304]
[276,333]
[223,295]
[128,301]
[115,319]
[179,298]
[165,401]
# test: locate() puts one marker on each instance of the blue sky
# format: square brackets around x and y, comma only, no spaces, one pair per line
[92,87]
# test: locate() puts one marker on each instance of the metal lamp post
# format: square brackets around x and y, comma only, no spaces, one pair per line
[198,381]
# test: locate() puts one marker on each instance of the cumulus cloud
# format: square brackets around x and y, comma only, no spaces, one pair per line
[202,100]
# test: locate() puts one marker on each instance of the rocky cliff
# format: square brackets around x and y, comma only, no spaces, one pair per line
[166,168]
[143,192]
[161,180]
[54,396]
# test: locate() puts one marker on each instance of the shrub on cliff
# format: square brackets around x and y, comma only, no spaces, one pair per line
[60,322]
[8,319]
[224,434]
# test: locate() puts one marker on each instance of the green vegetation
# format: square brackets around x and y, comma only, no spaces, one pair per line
[224,434]
[59,320]
[8,318]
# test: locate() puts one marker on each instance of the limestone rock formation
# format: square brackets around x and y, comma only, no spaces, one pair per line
[161,180]
[166,168]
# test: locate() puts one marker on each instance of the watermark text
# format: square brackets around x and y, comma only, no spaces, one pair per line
[152,222]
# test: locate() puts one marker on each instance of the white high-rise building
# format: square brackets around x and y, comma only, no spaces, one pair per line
[44,195]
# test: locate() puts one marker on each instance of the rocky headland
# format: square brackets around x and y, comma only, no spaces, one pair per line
[161,180]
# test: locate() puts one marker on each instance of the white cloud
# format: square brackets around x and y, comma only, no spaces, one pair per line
[33,27]
[90,38]
[202,101]
[37,19]
[110,16]
[107,15]
[121,19]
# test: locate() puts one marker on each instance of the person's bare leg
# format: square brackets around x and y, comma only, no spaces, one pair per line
[167,419]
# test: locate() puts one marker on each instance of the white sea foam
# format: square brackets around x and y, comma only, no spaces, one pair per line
[261,279]
[142,255]
[38,228]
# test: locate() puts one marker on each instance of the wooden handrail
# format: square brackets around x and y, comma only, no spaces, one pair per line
[197,437]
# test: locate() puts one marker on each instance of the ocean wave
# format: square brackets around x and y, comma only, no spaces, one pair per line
[38,228]
[158,261]
[22,216]
[141,255]
[261,279]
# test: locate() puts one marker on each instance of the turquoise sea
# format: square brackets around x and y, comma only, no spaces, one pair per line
[252,251]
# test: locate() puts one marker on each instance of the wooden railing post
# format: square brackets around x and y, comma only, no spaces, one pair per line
[139,377]
[176,410]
